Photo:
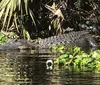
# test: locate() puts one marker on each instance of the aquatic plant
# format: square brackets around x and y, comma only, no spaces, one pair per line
[75,57]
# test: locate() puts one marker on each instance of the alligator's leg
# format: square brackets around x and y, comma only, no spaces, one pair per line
[93,44]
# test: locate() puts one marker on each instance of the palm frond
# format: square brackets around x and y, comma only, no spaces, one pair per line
[8,9]
[19,4]
[26,6]
[31,14]
[4,3]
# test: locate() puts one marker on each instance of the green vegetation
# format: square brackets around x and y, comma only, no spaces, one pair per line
[3,38]
[76,58]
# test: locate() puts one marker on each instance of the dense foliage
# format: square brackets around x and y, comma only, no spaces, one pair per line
[43,18]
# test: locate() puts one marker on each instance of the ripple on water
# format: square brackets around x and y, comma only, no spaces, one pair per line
[30,69]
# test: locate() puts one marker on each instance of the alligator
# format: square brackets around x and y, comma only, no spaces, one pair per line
[82,39]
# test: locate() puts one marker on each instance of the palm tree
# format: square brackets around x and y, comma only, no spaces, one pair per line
[13,12]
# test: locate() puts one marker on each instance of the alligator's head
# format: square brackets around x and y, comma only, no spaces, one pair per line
[16,45]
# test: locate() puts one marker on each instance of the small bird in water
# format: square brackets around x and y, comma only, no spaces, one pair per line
[49,64]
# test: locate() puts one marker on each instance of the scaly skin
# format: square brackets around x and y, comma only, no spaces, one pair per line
[80,38]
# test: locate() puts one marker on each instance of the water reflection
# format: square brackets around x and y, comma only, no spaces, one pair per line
[30,69]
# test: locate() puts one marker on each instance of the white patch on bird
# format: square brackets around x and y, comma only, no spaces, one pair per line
[49,64]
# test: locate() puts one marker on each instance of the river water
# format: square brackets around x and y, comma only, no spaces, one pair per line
[25,68]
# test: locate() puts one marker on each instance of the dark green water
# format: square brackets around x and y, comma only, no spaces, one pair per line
[23,68]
